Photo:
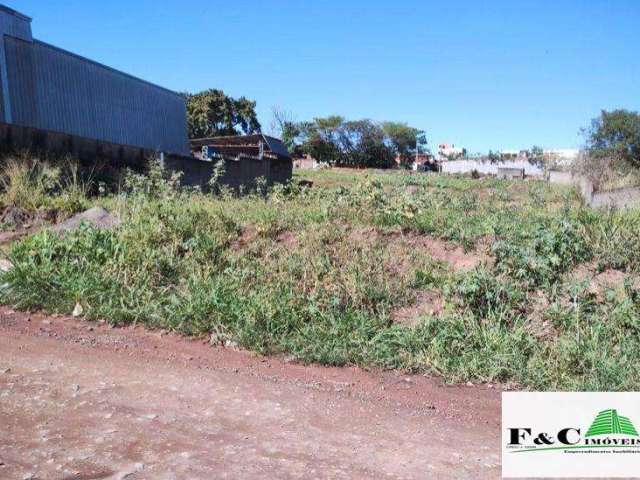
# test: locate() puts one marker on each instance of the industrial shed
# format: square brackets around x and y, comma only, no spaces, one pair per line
[246,158]
[69,102]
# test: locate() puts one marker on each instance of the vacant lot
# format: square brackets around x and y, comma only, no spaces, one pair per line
[471,280]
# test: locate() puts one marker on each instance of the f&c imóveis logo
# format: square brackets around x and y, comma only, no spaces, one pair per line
[570,434]
[608,431]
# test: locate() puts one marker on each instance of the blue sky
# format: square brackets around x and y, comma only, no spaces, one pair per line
[481,74]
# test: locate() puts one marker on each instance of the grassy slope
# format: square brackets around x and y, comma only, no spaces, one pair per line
[320,272]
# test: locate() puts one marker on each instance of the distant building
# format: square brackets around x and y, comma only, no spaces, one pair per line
[447,151]
[514,154]
[305,162]
[561,157]
[423,161]
[247,158]
[49,93]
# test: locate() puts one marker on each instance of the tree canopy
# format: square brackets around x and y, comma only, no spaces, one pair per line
[405,140]
[213,113]
[615,135]
[358,143]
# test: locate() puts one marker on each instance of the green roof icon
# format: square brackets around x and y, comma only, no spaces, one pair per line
[608,422]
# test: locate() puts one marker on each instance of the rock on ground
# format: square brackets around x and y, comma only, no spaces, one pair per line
[97,217]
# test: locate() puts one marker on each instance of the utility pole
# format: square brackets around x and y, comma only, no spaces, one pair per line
[418,133]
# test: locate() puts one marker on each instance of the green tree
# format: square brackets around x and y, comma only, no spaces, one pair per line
[406,141]
[213,113]
[615,135]
[493,156]
[536,156]
[363,144]
[285,127]
[320,138]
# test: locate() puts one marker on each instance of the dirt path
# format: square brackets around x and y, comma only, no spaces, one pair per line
[81,401]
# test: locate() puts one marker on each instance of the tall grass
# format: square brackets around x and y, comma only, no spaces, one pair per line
[319,273]
[32,184]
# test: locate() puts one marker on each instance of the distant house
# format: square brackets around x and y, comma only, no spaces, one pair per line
[423,161]
[246,158]
[305,162]
[448,151]
[561,157]
[513,155]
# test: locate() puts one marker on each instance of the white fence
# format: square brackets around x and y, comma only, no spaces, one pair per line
[489,168]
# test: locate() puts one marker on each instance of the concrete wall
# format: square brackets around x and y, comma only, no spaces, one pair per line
[561,177]
[489,168]
[511,173]
[239,174]
[109,160]
[620,198]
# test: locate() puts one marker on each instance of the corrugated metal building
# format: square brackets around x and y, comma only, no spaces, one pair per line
[46,88]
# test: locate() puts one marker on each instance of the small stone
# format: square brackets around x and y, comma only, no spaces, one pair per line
[46,322]
[78,310]
[6,370]
[75,387]
[5,265]
[230,344]
[469,384]
[289,359]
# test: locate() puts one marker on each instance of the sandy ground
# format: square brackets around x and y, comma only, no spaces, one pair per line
[85,401]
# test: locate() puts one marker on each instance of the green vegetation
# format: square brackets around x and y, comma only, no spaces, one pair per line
[613,150]
[34,186]
[212,113]
[475,280]
[360,143]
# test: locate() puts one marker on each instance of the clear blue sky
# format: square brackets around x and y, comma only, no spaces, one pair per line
[480,74]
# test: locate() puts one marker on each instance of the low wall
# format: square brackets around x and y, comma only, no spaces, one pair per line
[511,173]
[489,168]
[108,161]
[561,177]
[106,158]
[620,198]
[238,174]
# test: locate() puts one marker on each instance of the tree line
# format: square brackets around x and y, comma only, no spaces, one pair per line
[333,140]
[613,138]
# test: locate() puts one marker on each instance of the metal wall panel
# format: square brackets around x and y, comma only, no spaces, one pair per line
[55,90]
[15,24]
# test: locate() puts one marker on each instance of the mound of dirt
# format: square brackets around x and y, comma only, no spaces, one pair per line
[441,250]
[16,217]
[427,303]
[97,217]
[600,282]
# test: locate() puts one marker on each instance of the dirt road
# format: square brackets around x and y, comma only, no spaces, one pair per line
[84,401]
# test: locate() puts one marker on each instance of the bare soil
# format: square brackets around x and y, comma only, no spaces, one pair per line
[447,252]
[427,303]
[86,401]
